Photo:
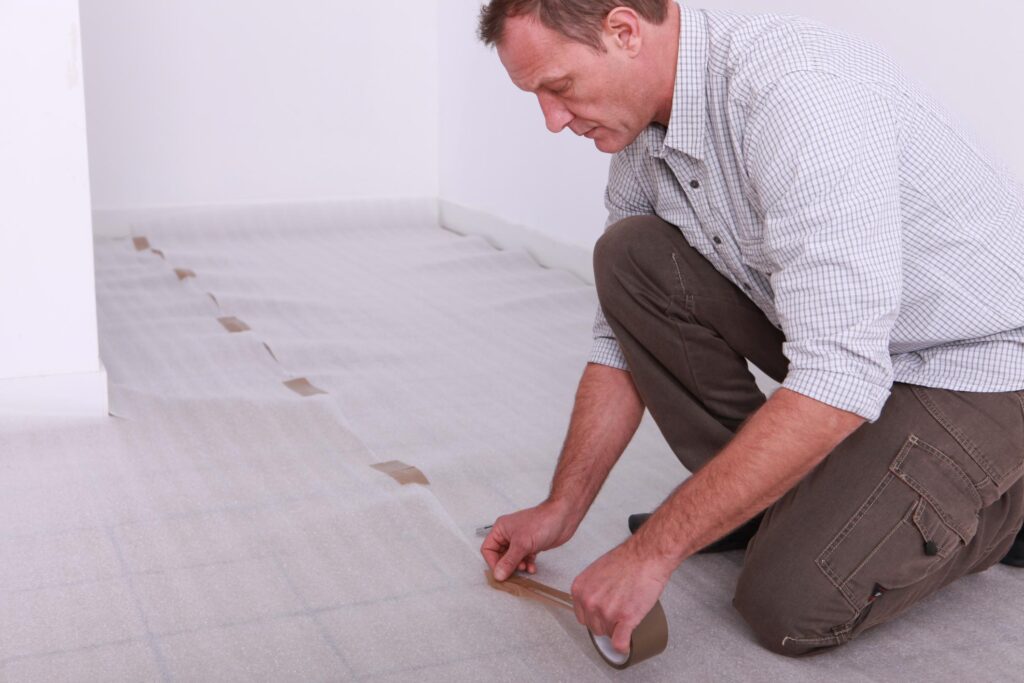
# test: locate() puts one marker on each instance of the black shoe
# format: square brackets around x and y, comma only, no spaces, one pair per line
[736,540]
[1014,558]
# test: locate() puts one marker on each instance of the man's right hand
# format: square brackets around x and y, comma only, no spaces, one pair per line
[607,412]
[516,539]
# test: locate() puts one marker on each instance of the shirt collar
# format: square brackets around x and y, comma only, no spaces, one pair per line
[688,119]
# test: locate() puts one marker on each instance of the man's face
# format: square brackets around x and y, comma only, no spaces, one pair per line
[596,95]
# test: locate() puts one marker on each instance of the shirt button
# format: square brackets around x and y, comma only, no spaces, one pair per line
[718,240]
[694,184]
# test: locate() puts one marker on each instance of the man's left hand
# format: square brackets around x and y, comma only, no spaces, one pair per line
[614,594]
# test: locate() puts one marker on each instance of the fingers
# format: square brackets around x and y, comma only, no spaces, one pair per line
[512,544]
[577,604]
[588,612]
[581,617]
[622,635]
[508,563]
[502,554]
[494,546]
[529,564]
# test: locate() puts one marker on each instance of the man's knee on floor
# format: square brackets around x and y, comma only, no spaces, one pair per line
[788,620]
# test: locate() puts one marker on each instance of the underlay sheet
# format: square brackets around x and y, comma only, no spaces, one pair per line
[226,522]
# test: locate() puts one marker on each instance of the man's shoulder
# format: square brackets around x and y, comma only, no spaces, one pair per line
[752,52]
[737,40]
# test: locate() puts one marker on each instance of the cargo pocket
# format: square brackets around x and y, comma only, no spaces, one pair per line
[989,427]
[923,511]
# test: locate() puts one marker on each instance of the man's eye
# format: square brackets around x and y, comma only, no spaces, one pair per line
[563,88]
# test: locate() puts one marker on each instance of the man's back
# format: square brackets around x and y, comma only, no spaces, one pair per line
[812,151]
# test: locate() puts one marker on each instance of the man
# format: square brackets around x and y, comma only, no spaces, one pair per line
[782,193]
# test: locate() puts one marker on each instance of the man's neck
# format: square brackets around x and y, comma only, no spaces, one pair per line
[668,60]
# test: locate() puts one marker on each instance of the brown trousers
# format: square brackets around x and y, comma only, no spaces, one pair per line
[928,493]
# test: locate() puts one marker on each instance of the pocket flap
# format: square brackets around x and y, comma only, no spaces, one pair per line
[942,483]
[934,530]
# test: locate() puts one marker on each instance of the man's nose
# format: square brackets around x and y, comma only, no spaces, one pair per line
[556,116]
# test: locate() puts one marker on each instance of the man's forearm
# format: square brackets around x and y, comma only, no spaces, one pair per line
[605,416]
[777,446]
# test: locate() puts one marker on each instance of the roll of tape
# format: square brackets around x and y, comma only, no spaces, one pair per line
[649,639]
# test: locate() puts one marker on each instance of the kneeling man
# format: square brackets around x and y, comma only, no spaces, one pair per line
[784,194]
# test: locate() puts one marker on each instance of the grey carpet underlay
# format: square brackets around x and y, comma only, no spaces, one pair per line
[224,526]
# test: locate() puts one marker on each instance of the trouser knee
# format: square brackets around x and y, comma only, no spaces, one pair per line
[634,245]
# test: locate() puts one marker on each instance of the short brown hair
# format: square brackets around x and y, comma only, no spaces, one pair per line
[578,20]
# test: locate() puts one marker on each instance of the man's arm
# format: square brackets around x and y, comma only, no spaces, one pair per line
[779,445]
[776,447]
[604,419]
[606,414]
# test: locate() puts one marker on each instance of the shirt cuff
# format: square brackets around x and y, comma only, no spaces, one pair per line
[606,351]
[839,390]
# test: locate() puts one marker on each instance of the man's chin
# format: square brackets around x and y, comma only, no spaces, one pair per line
[611,144]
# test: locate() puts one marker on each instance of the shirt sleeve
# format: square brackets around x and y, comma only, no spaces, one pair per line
[623,197]
[822,155]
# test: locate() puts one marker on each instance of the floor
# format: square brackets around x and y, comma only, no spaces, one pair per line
[227,524]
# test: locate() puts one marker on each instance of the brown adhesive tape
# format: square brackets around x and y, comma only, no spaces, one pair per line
[522,587]
[402,473]
[649,639]
[303,387]
[233,325]
[184,273]
[141,243]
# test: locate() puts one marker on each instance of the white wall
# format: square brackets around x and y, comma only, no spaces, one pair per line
[497,157]
[194,102]
[47,294]
[240,101]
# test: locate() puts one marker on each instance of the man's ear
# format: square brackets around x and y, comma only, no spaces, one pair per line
[622,30]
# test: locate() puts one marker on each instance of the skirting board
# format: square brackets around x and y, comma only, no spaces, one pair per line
[72,395]
[121,223]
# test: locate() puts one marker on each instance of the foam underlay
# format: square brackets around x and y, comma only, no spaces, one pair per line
[224,526]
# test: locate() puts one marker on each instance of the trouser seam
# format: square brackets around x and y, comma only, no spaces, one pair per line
[679,272]
[822,560]
[965,442]
[838,634]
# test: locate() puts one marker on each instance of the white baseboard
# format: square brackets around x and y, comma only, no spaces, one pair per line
[547,252]
[79,395]
[118,223]
[124,222]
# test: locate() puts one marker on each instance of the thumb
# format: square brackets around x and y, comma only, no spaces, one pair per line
[506,566]
[622,636]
